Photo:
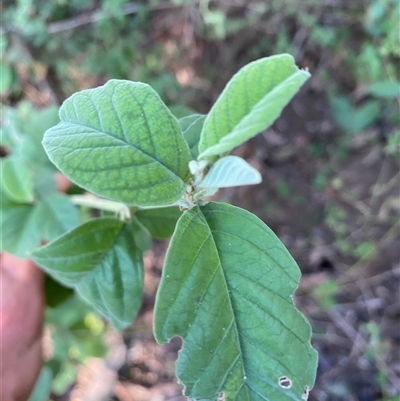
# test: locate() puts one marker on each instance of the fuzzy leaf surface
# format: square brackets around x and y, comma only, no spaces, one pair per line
[100,259]
[227,289]
[252,100]
[191,127]
[121,142]
[230,171]
[160,222]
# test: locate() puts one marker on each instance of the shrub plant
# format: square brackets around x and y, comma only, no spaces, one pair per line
[228,281]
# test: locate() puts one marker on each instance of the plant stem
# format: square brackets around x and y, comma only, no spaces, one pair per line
[125,211]
[101,204]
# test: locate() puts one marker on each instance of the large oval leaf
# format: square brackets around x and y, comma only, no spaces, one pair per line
[227,289]
[121,142]
[100,259]
[252,100]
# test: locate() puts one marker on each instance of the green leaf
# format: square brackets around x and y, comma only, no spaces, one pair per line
[227,290]
[69,314]
[159,222]
[252,100]
[142,237]
[120,141]
[100,259]
[55,293]
[44,181]
[365,115]
[24,226]
[57,215]
[35,123]
[22,132]
[11,125]
[191,127]
[230,171]
[351,119]
[17,181]
[75,327]
[19,227]
[385,89]
[343,111]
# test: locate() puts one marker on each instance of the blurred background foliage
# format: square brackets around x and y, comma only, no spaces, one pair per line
[330,164]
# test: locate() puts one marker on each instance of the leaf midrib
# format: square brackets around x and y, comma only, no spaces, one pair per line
[94,263]
[234,133]
[260,105]
[251,244]
[239,346]
[124,143]
[101,305]
[90,272]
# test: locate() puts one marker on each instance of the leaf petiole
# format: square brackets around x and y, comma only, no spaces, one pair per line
[94,202]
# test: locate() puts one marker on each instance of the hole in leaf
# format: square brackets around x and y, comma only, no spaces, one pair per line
[306,393]
[285,382]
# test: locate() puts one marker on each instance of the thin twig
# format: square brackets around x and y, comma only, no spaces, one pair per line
[353,273]
[361,345]
[93,16]
[376,189]
[371,280]
[356,204]
[381,189]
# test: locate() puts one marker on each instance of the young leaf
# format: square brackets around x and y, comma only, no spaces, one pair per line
[230,171]
[17,181]
[191,127]
[159,222]
[100,259]
[121,142]
[57,215]
[227,289]
[252,100]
